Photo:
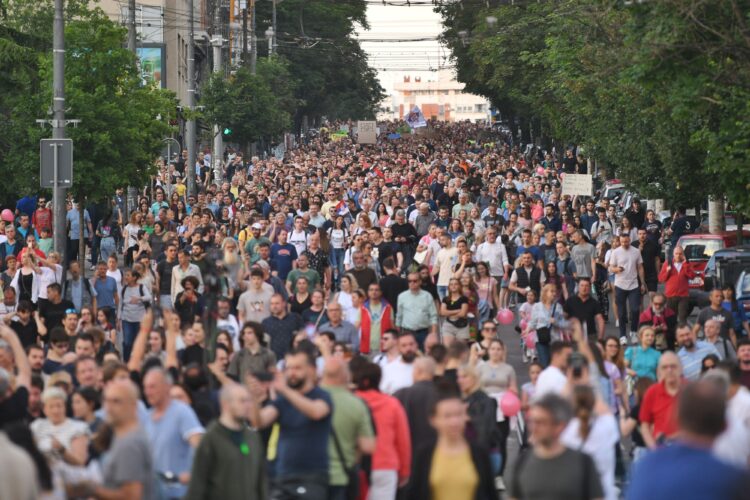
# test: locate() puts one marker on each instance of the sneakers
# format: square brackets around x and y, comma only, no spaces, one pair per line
[633,338]
[499,483]
[623,340]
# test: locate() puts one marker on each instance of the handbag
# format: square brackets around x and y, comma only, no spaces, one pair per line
[544,334]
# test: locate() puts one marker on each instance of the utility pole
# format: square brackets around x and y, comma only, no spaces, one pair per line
[190,128]
[273,40]
[59,211]
[253,42]
[217,42]
[131,199]
[244,36]
[131,26]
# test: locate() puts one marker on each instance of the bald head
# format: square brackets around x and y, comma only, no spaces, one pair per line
[121,403]
[424,369]
[235,405]
[335,373]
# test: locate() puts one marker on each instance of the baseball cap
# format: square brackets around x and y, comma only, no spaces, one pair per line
[257,226]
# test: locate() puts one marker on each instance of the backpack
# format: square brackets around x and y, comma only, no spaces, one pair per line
[140,292]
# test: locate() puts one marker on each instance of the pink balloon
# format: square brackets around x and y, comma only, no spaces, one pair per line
[523,324]
[540,171]
[529,341]
[505,316]
[510,404]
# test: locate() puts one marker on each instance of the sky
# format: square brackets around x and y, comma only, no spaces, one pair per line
[394,59]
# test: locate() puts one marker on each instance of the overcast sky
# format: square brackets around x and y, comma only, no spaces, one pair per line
[394,60]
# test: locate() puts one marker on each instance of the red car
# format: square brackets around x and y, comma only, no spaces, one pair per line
[700,247]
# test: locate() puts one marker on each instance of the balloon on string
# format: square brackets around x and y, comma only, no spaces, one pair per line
[505,316]
[529,341]
[510,404]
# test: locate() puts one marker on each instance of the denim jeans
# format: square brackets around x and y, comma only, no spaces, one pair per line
[337,263]
[129,333]
[107,247]
[442,291]
[542,352]
[628,299]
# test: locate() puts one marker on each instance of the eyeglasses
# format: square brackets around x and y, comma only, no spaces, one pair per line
[413,281]
[658,304]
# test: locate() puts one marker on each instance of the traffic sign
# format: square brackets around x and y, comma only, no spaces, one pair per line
[56,161]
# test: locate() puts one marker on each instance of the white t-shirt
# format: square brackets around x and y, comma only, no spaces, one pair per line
[599,444]
[65,433]
[299,240]
[396,375]
[552,379]
[495,254]
[48,277]
[733,445]
[629,259]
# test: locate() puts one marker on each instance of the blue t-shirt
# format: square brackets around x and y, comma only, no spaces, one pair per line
[106,290]
[686,473]
[73,218]
[169,444]
[303,443]
[282,257]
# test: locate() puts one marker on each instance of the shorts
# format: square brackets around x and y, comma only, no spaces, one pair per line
[455,332]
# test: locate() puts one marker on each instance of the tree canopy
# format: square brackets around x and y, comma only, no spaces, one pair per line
[120,133]
[656,91]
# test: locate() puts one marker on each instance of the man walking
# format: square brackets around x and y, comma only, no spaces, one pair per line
[416,312]
[230,460]
[626,263]
[303,412]
[549,469]
[676,276]
[351,434]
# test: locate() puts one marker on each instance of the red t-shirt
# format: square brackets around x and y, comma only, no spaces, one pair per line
[660,408]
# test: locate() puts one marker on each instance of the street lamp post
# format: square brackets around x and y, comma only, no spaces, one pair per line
[269,37]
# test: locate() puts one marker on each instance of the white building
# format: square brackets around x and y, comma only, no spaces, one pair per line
[443,99]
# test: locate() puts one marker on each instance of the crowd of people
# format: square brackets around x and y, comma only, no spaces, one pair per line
[335,324]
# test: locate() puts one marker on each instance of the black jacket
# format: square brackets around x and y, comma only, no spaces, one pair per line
[419,485]
[482,427]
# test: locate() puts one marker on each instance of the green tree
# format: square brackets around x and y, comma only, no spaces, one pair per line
[254,107]
[317,38]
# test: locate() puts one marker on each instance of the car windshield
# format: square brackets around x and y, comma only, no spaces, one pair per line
[745,285]
[700,248]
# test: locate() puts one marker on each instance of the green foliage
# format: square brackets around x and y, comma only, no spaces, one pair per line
[656,91]
[253,107]
[119,135]
[316,37]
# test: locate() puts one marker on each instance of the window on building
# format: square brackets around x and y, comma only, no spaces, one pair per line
[149,22]
[479,108]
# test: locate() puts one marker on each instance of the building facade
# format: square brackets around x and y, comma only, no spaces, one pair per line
[443,99]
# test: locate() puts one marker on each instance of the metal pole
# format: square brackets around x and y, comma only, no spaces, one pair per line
[58,123]
[131,26]
[218,143]
[244,36]
[190,128]
[253,41]
[273,40]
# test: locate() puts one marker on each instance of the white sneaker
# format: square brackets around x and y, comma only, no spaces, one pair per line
[499,483]
[623,340]
[633,338]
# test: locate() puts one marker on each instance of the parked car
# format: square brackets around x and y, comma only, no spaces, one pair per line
[612,189]
[700,247]
[742,290]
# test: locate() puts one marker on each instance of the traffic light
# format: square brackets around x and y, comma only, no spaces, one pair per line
[227,132]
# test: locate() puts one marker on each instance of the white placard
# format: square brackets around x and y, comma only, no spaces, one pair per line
[577,184]
[367,132]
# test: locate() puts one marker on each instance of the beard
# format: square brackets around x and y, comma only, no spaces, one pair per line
[409,357]
[230,258]
[688,344]
[296,383]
